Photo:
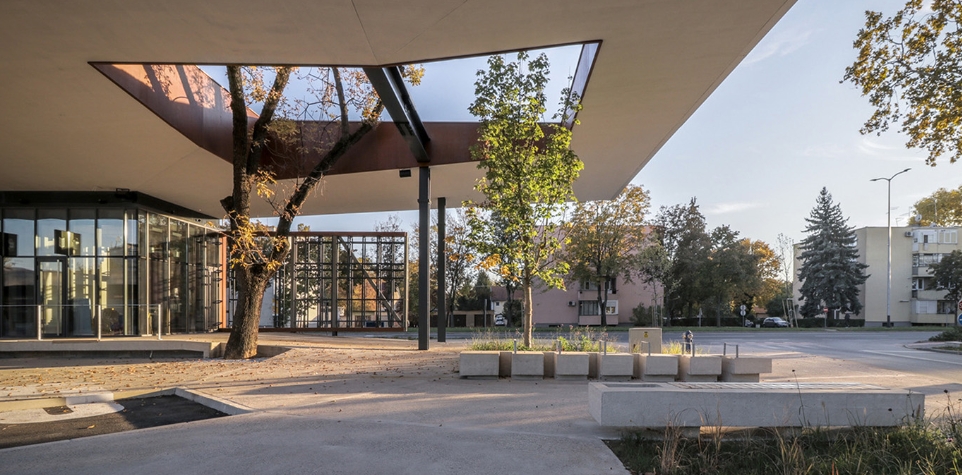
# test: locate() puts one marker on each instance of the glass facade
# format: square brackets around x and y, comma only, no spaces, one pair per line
[129,268]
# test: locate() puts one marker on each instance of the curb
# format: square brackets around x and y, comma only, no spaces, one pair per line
[218,404]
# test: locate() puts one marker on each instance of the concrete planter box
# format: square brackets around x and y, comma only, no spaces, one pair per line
[744,370]
[570,366]
[479,364]
[638,335]
[616,366]
[656,367]
[527,365]
[699,368]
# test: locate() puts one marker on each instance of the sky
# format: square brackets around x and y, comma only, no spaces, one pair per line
[762,146]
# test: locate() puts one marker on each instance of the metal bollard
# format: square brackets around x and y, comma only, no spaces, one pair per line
[559,345]
[724,349]
[515,345]
[99,317]
[736,351]
[159,318]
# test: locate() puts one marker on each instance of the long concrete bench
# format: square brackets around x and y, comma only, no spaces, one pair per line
[691,405]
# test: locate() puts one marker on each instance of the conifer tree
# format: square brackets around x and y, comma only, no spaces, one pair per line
[830,271]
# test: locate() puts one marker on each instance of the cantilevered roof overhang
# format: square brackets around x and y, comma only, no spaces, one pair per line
[65,126]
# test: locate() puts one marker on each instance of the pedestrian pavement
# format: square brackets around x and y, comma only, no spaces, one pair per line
[354,405]
[330,405]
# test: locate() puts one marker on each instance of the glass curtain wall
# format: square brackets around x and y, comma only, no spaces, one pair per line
[63,266]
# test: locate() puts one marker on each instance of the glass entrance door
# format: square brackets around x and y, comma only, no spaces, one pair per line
[51,279]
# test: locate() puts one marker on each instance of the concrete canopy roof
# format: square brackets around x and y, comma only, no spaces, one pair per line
[66,127]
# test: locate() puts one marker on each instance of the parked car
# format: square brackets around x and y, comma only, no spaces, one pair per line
[774,322]
[499,320]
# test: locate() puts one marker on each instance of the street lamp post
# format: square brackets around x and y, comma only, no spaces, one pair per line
[888,288]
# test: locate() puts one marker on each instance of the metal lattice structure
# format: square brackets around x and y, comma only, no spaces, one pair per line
[338,281]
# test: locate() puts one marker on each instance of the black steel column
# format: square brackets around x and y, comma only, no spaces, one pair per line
[442,275]
[424,260]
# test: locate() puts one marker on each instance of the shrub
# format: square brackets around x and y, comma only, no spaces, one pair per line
[952,334]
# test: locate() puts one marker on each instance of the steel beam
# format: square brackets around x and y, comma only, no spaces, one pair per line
[389,85]
[442,274]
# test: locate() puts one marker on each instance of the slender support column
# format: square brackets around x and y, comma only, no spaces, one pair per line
[424,260]
[442,274]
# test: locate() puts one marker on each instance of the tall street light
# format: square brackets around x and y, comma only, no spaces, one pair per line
[888,289]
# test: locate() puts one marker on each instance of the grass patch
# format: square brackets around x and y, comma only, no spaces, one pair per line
[930,447]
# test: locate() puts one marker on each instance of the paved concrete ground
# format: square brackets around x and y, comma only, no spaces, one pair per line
[354,405]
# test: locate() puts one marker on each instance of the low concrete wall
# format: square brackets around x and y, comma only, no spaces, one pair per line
[660,405]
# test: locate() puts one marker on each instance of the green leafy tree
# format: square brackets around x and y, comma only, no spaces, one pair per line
[830,271]
[528,176]
[910,67]
[681,230]
[604,239]
[948,275]
[941,208]
[255,252]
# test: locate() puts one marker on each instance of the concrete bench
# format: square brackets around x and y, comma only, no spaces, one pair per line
[744,369]
[662,368]
[691,405]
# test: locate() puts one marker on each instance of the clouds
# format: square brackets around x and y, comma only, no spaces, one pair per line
[727,208]
[778,44]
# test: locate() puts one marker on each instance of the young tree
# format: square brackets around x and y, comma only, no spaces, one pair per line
[948,275]
[910,68]
[941,208]
[605,237]
[528,175]
[653,268]
[255,253]
[830,271]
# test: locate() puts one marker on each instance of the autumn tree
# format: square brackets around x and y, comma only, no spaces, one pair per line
[948,275]
[941,208]
[605,238]
[830,271]
[910,67]
[280,128]
[528,175]
[460,259]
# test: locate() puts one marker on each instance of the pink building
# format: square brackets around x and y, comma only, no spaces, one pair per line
[578,304]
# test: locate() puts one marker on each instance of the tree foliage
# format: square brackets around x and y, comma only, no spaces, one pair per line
[948,275]
[528,175]
[941,208]
[910,67]
[830,271]
[604,240]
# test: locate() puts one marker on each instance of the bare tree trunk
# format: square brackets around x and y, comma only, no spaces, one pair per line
[528,315]
[602,303]
[242,343]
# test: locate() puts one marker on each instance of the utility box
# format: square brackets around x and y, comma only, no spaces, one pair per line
[640,338]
